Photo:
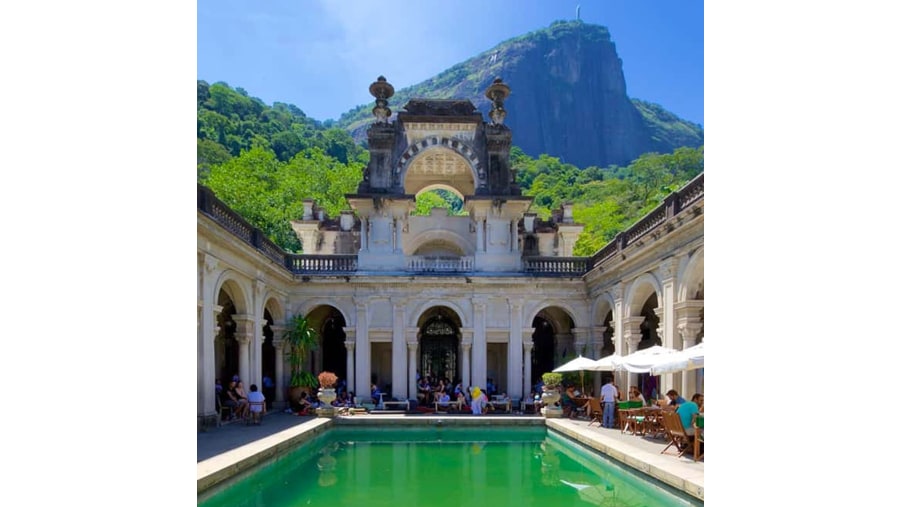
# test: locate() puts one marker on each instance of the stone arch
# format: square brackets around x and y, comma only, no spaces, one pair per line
[638,292]
[602,305]
[567,308]
[414,317]
[346,309]
[236,289]
[443,236]
[275,308]
[603,316]
[691,279]
[457,151]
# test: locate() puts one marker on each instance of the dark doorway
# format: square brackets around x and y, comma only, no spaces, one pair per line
[334,353]
[542,357]
[440,342]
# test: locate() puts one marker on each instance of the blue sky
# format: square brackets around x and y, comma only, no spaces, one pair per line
[322,55]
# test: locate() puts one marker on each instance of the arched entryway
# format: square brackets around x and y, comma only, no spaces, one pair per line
[439,338]
[544,351]
[334,353]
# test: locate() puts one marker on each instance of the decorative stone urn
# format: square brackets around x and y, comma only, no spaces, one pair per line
[549,397]
[326,396]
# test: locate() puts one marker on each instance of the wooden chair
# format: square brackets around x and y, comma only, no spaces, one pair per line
[221,411]
[252,416]
[676,434]
[596,411]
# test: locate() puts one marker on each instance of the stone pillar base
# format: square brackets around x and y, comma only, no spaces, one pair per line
[552,412]
[205,422]
[325,412]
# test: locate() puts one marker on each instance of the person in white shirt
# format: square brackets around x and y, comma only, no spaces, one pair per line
[608,396]
[257,403]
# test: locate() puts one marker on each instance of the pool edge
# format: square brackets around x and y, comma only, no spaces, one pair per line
[663,468]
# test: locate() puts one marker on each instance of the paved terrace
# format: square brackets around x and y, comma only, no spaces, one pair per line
[228,450]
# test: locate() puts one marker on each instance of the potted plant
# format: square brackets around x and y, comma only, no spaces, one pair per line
[326,393]
[300,339]
[551,395]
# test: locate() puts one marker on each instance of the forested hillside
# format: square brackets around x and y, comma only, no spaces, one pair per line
[229,121]
[263,161]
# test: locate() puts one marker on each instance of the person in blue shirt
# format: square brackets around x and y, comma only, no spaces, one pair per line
[687,410]
[674,398]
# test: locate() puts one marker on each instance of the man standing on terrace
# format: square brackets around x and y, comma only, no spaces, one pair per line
[608,396]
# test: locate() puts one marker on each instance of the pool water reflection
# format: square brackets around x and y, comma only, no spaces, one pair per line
[441,466]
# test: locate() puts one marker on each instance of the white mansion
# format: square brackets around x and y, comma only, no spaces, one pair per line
[494,294]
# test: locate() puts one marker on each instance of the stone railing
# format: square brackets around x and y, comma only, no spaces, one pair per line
[426,264]
[561,266]
[322,263]
[210,205]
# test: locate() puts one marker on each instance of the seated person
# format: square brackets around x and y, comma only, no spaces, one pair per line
[304,404]
[686,411]
[567,402]
[257,403]
[240,404]
[635,395]
[674,398]
[376,393]
[461,400]
[444,398]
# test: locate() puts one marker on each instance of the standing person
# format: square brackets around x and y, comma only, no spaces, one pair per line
[478,401]
[608,396]
[257,402]
[268,389]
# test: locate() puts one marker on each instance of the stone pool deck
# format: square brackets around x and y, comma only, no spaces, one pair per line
[228,450]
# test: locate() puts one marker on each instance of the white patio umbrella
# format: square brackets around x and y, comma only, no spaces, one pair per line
[690,358]
[644,360]
[578,364]
[607,363]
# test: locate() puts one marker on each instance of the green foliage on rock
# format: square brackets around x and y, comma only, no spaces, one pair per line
[238,122]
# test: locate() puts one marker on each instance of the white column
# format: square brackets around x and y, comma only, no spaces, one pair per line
[688,324]
[350,345]
[206,347]
[363,351]
[479,344]
[526,381]
[514,237]
[254,376]
[243,333]
[412,348]
[466,347]
[281,384]
[399,373]
[618,327]
[632,334]
[514,349]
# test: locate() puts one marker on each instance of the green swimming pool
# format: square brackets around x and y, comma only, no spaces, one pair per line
[441,466]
